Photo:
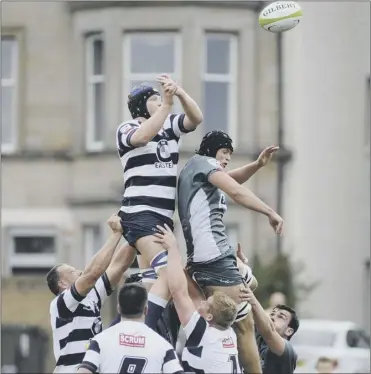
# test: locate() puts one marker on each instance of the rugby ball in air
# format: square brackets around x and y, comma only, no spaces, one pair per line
[280,16]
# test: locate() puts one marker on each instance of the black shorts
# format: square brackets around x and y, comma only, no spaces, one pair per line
[222,272]
[138,225]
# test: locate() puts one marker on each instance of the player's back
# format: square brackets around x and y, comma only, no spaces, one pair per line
[131,347]
[208,349]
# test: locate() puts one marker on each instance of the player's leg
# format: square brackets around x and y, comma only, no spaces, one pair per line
[138,230]
[158,297]
[149,275]
[223,276]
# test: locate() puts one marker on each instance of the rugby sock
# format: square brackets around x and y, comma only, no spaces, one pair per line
[156,306]
[115,321]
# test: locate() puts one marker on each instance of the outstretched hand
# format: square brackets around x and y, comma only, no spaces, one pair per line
[240,255]
[276,221]
[166,237]
[169,86]
[266,155]
[114,222]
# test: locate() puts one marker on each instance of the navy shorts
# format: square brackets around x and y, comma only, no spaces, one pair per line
[222,272]
[138,225]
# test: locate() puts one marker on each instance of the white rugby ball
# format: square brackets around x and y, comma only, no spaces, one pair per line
[280,16]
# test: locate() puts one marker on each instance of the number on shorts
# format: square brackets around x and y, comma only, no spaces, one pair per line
[132,365]
[233,360]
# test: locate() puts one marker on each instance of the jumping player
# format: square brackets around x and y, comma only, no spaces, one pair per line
[211,260]
[148,149]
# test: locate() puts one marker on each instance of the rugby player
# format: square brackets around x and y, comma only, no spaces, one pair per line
[75,311]
[211,343]
[130,346]
[212,262]
[273,334]
[148,148]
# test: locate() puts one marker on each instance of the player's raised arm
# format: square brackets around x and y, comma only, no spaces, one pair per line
[265,326]
[175,275]
[100,262]
[121,261]
[150,127]
[193,115]
[244,173]
[245,197]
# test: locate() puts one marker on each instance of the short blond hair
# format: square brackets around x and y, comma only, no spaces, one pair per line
[223,309]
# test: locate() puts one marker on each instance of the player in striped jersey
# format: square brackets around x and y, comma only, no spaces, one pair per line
[75,311]
[212,262]
[149,153]
[211,343]
[130,346]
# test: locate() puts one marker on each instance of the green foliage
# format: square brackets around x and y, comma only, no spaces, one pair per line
[280,276]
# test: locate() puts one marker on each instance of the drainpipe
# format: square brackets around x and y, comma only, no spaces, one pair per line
[280,139]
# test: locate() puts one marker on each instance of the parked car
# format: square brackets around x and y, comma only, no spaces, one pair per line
[344,341]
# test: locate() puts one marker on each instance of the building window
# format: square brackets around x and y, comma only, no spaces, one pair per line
[95,87]
[9,80]
[146,56]
[92,240]
[32,250]
[232,234]
[219,82]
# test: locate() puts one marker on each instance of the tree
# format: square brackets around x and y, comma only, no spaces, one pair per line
[280,275]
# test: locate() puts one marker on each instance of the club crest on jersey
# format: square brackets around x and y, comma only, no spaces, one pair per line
[228,343]
[132,340]
[163,155]
[97,326]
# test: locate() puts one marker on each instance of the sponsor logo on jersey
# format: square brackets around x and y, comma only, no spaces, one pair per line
[132,340]
[228,343]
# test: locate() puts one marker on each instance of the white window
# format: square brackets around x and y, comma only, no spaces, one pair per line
[219,83]
[146,56]
[95,87]
[32,250]
[9,80]
[232,234]
[92,240]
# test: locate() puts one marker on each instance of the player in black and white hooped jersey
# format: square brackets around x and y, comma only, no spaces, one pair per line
[75,311]
[211,343]
[130,346]
[149,152]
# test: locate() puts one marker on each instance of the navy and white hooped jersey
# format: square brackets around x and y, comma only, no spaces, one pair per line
[150,172]
[208,349]
[131,347]
[76,319]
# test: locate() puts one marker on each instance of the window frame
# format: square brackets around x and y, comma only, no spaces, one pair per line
[8,148]
[128,76]
[88,248]
[35,260]
[91,144]
[230,78]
